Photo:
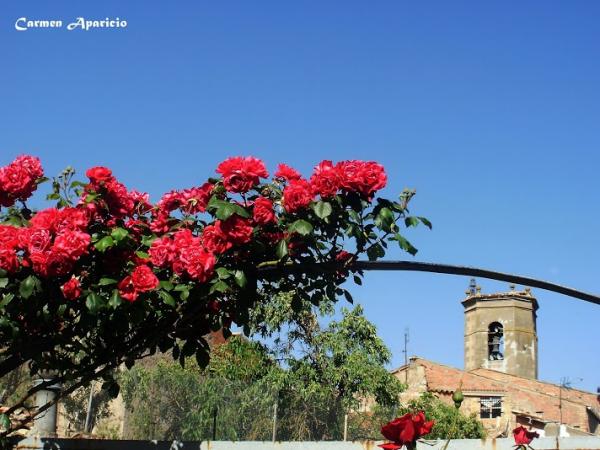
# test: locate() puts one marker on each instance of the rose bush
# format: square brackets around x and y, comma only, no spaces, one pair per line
[106,277]
[405,431]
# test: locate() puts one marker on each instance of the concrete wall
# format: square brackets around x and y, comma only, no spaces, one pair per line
[588,443]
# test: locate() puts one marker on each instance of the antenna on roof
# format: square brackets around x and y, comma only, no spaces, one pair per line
[405,351]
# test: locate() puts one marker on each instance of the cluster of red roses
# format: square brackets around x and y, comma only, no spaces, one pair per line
[55,239]
[327,180]
[405,430]
[19,179]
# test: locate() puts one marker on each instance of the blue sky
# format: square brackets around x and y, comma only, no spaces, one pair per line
[491,110]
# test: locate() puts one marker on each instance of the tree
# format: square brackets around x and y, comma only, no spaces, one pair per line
[450,423]
[337,367]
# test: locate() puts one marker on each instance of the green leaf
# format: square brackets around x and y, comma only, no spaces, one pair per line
[357,280]
[4,421]
[118,234]
[28,286]
[93,302]
[106,281]
[240,278]
[115,299]
[166,285]
[202,357]
[240,211]
[223,273]
[322,209]
[184,294]
[375,252]
[348,297]
[405,245]
[411,221]
[142,255]
[61,310]
[300,226]
[219,286]
[148,240]
[104,243]
[224,211]
[384,219]
[425,222]
[282,249]
[3,282]
[6,299]
[167,298]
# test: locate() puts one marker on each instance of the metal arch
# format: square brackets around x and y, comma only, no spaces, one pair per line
[449,269]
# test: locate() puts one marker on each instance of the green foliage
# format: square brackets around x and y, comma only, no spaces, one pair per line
[450,423]
[315,375]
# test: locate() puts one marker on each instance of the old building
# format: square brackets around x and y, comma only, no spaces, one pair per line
[499,382]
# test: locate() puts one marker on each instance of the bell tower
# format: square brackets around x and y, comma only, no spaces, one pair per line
[500,331]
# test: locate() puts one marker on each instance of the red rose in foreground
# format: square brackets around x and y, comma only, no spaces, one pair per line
[405,430]
[242,174]
[362,177]
[297,196]
[263,211]
[523,436]
[19,179]
[287,173]
[99,174]
[214,240]
[71,289]
[237,229]
[144,279]
[127,289]
[325,179]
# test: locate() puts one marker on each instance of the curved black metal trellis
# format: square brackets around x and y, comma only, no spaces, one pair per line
[449,269]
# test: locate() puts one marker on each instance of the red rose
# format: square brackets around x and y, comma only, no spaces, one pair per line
[362,177]
[237,229]
[118,199]
[72,243]
[263,211]
[8,259]
[523,436]
[160,222]
[198,263]
[325,180]
[161,252]
[141,201]
[72,219]
[196,199]
[127,289]
[99,174]
[215,240]
[297,195]
[405,430]
[170,201]
[18,180]
[241,174]
[143,279]
[286,172]
[57,264]
[38,240]
[71,289]
[46,219]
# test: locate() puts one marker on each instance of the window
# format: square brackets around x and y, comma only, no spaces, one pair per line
[495,341]
[491,407]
